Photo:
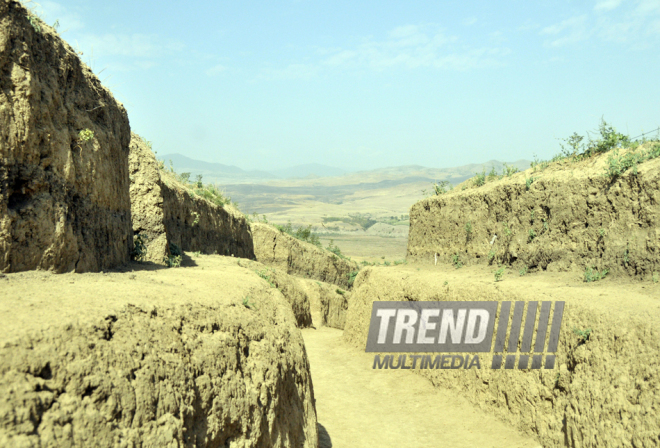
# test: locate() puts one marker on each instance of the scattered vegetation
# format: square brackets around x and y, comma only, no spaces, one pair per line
[196,254]
[491,255]
[139,252]
[264,274]
[523,271]
[601,231]
[532,235]
[365,221]
[507,231]
[575,149]
[499,273]
[340,291]
[210,192]
[85,135]
[398,262]
[655,277]
[468,228]
[592,275]
[439,188]
[479,179]
[302,233]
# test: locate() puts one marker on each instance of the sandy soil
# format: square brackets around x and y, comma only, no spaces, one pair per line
[360,407]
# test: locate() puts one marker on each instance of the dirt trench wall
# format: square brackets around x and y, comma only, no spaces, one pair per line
[285,252]
[189,376]
[603,393]
[571,218]
[166,212]
[64,202]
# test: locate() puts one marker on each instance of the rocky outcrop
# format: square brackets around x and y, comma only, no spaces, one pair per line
[570,216]
[293,256]
[64,187]
[164,211]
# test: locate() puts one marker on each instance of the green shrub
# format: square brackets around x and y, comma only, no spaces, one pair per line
[468,228]
[172,261]
[456,261]
[442,187]
[351,277]
[480,179]
[499,273]
[508,171]
[85,135]
[523,271]
[528,182]
[139,252]
[582,334]
[339,291]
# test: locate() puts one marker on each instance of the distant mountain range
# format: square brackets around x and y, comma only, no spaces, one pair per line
[219,173]
[327,175]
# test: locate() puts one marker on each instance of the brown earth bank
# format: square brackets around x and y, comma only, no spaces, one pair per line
[205,355]
[568,217]
[64,199]
[282,251]
[603,392]
[166,212]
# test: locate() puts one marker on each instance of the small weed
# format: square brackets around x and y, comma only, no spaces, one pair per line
[582,334]
[197,254]
[523,271]
[351,277]
[398,262]
[196,220]
[442,187]
[509,171]
[468,228]
[340,291]
[172,261]
[491,255]
[532,235]
[247,304]
[492,175]
[139,252]
[545,224]
[456,261]
[532,215]
[386,263]
[592,275]
[498,274]
[528,182]
[601,231]
[334,249]
[264,274]
[507,231]
[445,283]
[655,277]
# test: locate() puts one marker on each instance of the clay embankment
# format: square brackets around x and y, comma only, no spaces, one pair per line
[202,356]
[64,199]
[282,251]
[604,392]
[572,217]
[166,212]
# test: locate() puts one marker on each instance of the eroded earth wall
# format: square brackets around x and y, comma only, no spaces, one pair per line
[64,200]
[568,217]
[166,212]
[285,252]
[193,375]
[602,393]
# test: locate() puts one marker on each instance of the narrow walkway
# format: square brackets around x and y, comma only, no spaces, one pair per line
[361,407]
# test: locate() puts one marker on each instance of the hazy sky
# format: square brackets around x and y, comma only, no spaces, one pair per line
[368,84]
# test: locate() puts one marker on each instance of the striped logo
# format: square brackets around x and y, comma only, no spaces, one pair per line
[469,327]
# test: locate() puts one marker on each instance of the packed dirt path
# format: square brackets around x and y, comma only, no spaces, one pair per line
[360,407]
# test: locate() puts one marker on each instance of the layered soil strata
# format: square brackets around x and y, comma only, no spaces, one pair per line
[568,217]
[64,186]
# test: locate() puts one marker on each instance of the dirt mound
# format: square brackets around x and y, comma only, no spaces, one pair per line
[291,287]
[569,216]
[196,356]
[293,256]
[64,187]
[603,391]
[166,212]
